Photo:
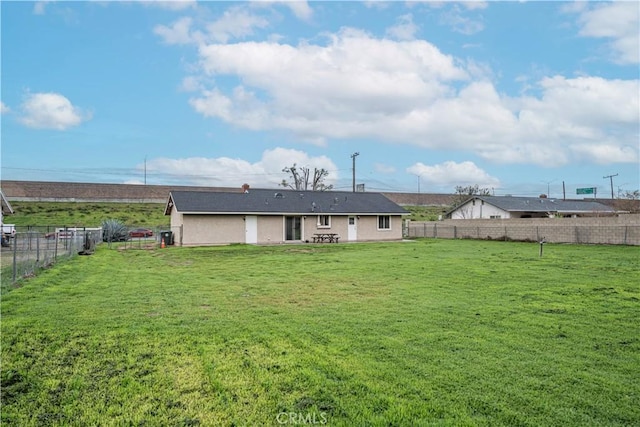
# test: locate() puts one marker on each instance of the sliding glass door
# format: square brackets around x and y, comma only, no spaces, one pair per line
[293,228]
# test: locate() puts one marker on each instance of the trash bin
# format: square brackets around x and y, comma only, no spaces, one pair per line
[167,236]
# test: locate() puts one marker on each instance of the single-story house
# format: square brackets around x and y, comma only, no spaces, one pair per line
[501,207]
[263,216]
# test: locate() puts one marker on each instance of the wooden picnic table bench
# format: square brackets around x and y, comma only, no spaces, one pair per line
[325,238]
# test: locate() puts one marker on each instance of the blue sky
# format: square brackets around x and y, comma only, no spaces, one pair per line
[518,97]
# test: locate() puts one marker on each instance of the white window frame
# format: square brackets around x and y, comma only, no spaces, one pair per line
[388,221]
[319,223]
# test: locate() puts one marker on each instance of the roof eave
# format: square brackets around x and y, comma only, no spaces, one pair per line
[294,213]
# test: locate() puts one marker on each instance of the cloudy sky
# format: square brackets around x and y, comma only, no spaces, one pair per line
[519,97]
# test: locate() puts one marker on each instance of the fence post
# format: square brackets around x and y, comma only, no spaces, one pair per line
[435,230]
[15,255]
[626,229]
[37,248]
[455,231]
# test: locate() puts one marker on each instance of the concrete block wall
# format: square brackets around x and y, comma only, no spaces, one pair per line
[618,230]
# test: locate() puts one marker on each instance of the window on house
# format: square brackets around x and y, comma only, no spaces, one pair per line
[324,221]
[495,216]
[384,222]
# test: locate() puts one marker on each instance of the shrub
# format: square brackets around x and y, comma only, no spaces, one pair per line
[114,231]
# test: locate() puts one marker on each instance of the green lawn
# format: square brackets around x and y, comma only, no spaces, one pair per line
[431,332]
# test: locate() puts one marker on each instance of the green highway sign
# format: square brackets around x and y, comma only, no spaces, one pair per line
[590,190]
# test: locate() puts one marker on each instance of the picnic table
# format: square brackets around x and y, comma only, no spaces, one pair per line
[325,238]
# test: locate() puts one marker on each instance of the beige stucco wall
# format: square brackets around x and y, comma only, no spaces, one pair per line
[338,226]
[368,228]
[212,229]
[270,229]
[200,230]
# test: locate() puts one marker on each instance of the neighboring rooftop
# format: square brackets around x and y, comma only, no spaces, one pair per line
[543,204]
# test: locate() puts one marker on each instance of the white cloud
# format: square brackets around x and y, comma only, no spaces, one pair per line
[324,91]
[51,111]
[618,22]
[409,92]
[39,7]
[605,153]
[475,4]
[377,4]
[227,172]
[405,29]
[177,33]
[459,22]
[236,22]
[3,108]
[300,8]
[171,4]
[450,174]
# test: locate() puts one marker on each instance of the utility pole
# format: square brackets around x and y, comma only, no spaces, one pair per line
[145,170]
[549,186]
[418,176]
[610,179]
[353,158]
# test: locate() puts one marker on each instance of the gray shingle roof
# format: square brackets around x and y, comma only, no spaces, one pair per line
[536,204]
[265,201]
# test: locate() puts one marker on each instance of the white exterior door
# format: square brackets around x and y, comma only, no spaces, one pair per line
[352,229]
[251,229]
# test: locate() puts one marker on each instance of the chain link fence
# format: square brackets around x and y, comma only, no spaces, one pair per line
[34,248]
[28,252]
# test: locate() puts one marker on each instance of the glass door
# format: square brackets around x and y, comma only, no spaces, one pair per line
[293,228]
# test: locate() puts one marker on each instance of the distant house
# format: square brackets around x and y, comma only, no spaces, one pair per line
[502,207]
[261,216]
[6,206]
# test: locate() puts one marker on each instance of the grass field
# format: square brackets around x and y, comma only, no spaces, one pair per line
[87,214]
[431,332]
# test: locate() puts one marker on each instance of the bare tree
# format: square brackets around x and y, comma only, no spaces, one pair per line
[629,201]
[301,178]
[462,194]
